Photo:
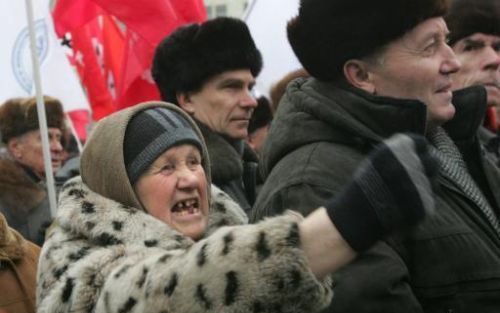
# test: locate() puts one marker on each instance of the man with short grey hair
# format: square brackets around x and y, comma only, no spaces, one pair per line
[380,68]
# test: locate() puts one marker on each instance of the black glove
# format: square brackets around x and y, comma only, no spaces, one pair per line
[391,190]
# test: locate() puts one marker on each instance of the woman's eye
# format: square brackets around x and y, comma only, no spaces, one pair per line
[193,162]
[168,167]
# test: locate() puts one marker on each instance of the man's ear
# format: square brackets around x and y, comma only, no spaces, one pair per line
[184,101]
[250,141]
[357,74]
[14,147]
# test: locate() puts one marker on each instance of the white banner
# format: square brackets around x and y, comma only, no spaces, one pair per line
[16,74]
[267,21]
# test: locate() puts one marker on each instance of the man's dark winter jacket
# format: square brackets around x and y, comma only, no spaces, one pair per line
[23,200]
[450,263]
[233,165]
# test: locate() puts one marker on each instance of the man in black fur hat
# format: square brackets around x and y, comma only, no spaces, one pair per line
[379,68]
[209,71]
[475,39]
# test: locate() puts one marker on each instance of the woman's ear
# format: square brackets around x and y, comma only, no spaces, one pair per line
[357,74]
[184,101]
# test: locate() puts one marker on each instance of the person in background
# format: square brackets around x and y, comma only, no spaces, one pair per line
[144,230]
[259,124]
[475,38]
[23,196]
[209,71]
[278,89]
[18,265]
[380,68]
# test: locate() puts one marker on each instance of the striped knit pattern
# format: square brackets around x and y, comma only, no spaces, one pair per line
[453,167]
[150,133]
[390,191]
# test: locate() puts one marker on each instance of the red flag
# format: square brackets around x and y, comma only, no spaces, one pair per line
[69,15]
[97,44]
[88,57]
[491,119]
[148,22]
[80,120]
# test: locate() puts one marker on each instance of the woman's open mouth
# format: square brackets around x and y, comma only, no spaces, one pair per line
[185,207]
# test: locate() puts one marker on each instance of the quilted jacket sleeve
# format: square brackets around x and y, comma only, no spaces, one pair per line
[377,282]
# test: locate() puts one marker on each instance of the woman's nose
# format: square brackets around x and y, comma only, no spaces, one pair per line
[187,178]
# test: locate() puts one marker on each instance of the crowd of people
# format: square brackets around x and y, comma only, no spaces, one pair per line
[368,182]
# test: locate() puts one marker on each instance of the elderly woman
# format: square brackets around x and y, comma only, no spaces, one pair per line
[143,230]
[23,197]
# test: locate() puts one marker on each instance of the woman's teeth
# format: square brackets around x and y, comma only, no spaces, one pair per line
[186,207]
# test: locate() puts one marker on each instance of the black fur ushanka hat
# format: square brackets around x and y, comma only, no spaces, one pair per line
[327,33]
[19,116]
[466,17]
[192,54]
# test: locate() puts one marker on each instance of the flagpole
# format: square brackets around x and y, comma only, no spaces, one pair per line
[40,106]
[248,10]
[75,134]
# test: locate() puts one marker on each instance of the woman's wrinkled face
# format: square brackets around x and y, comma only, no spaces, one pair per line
[174,190]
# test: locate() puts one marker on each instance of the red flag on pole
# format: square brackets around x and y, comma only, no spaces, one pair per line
[97,44]
[72,14]
[147,23]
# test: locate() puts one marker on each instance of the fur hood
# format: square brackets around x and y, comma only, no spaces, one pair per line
[18,191]
[102,256]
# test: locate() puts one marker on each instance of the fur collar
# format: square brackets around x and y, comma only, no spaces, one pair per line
[226,162]
[103,221]
[11,242]
[18,192]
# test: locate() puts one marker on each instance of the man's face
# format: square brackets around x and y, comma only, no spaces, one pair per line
[27,150]
[480,57]
[224,103]
[418,66]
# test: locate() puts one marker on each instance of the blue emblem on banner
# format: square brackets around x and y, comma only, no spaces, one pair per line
[21,54]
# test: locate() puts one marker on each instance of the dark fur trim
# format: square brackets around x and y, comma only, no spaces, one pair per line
[192,54]
[17,191]
[327,33]
[19,116]
[467,17]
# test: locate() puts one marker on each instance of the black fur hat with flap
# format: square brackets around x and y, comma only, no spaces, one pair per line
[327,33]
[192,54]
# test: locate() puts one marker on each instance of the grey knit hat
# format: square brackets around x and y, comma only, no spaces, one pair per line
[150,133]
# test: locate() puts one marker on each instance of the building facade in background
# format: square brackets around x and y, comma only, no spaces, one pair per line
[233,8]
